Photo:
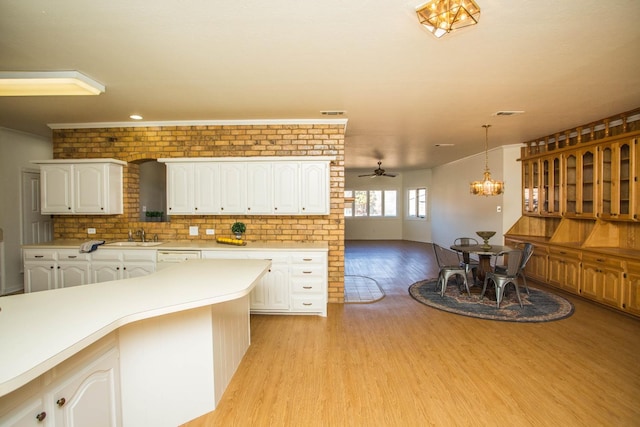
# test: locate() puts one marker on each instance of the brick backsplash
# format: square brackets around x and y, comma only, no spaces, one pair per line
[137,144]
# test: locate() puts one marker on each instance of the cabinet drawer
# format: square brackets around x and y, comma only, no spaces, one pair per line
[308,286]
[139,255]
[308,258]
[274,257]
[603,260]
[72,255]
[39,255]
[106,255]
[564,253]
[307,303]
[311,270]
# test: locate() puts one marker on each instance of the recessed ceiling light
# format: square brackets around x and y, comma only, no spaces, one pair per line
[507,113]
[333,113]
[135,117]
[47,83]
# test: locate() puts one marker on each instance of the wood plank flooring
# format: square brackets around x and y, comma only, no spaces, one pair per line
[397,362]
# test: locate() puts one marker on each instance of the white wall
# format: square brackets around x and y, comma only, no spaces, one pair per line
[16,150]
[456,212]
[452,211]
[418,229]
[374,228]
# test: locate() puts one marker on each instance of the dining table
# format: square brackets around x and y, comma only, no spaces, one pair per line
[484,255]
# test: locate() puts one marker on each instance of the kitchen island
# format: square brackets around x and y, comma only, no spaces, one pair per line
[176,336]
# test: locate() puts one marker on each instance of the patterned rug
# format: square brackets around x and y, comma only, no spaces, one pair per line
[540,306]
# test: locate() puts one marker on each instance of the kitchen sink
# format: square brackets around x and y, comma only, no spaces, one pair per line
[133,244]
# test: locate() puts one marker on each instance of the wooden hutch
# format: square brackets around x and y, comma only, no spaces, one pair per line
[581,211]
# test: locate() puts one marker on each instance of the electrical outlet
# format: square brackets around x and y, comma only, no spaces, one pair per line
[210,232]
[193,230]
[91,231]
[499,209]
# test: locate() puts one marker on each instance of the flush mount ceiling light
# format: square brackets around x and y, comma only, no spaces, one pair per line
[47,83]
[443,16]
[486,187]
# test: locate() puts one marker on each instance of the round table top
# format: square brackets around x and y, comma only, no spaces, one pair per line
[480,249]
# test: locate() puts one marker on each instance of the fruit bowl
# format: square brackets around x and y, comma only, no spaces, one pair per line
[486,235]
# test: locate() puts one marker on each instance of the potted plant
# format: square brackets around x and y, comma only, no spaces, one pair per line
[154,216]
[238,228]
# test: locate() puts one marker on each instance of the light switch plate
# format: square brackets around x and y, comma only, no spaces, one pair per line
[210,232]
[499,209]
[193,230]
[91,231]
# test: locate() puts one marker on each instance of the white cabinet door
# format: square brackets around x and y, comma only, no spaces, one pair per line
[130,270]
[314,188]
[72,274]
[180,189]
[272,293]
[259,188]
[286,188]
[31,413]
[105,272]
[90,187]
[90,396]
[233,188]
[39,276]
[56,188]
[207,188]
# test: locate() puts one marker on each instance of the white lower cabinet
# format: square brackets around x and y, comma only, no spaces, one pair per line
[82,391]
[296,282]
[46,269]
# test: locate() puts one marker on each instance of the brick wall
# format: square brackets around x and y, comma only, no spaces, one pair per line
[137,144]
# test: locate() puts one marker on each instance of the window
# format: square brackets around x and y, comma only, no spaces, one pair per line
[370,203]
[417,203]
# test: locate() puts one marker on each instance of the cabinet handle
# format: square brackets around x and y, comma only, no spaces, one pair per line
[60,402]
[101,209]
[275,209]
[599,260]
[221,209]
[117,268]
[124,268]
[51,267]
[307,259]
[196,208]
[307,287]
[72,256]
[304,209]
[307,272]
[69,208]
[39,256]
[41,416]
[307,303]
[248,209]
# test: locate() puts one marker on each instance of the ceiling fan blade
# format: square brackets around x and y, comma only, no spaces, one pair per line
[390,175]
[362,176]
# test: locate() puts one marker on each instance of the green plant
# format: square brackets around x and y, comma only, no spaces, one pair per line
[154,214]
[238,228]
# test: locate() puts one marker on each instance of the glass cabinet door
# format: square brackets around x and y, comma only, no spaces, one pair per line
[550,186]
[587,196]
[571,185]
[618,181]
[530,183]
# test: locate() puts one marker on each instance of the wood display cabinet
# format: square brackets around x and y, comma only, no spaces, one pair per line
[580,198]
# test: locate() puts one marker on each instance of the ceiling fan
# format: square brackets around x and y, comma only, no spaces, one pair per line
[379,172]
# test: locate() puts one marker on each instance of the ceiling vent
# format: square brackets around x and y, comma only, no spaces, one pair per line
[507,113]
[333,113]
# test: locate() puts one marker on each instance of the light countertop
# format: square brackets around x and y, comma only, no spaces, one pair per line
[209,245]
[40,330]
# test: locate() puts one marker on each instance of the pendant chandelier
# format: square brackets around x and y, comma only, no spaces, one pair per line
[486,187]
[443,16]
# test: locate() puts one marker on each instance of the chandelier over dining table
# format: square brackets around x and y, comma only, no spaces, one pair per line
[487,186]
[441,17]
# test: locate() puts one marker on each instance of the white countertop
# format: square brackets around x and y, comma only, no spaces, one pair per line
[41,329]
[209,245]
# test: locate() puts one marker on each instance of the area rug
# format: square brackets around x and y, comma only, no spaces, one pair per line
[539,306]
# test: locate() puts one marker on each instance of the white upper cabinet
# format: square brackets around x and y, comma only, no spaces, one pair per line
[88,186]
[315,188]
[233,188]
[248,186]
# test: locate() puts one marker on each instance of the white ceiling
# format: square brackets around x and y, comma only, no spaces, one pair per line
[563,62]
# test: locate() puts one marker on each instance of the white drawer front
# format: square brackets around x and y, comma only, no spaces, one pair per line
[139,255]
[309,258]
[311,270]
[308,303]
[72,255]
[39,255]
[308,286]
[106,255]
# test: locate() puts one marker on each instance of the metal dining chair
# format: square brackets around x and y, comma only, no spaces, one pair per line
[500,280]
[527,251]
[469,264]
[449,266]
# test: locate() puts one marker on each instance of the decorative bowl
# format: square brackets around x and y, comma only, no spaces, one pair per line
[486,235]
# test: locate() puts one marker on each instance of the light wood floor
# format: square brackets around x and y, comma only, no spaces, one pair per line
[399,363]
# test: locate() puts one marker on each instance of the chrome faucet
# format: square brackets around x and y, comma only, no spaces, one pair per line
[141,234]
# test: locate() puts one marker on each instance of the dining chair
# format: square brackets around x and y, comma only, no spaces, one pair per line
[449,266]
[500,280]
[469,264]
[527,251]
